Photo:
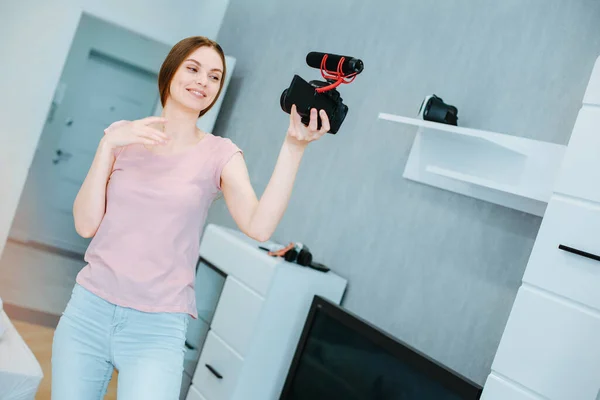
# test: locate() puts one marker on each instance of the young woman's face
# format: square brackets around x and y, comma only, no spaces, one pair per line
[197,80]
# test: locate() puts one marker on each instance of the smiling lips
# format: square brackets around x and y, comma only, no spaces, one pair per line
[199,94]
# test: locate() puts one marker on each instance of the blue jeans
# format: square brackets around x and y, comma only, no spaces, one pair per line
[94,336]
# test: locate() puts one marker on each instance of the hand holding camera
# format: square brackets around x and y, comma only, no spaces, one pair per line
[303,134]
[321,95]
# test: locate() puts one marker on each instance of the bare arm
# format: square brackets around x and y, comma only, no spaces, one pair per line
[259,218]
[90,203]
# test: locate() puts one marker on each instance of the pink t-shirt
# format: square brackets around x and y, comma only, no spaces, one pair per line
[145,251]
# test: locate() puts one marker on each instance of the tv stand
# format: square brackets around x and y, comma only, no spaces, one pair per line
[256,305]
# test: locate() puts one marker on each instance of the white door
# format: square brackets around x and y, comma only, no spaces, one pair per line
[97,87]
[108,91]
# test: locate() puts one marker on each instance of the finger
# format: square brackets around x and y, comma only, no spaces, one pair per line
[312,125]
[296,117]
[146,140]
[149,136]
[153,120]
[116,124]
[292,114]
[324,122]
[155,133]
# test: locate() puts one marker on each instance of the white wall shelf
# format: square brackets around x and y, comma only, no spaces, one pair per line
[507,170]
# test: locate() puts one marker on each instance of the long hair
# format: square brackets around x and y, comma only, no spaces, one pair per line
[177,56]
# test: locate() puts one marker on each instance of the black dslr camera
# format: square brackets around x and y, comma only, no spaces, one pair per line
[321,95]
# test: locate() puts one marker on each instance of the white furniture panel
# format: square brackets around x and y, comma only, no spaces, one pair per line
[592,93]
[508,170]
[498,388]
[218,383]
[194,394]
[237,315]
[574,224]
[552,347]
[258,318]
[250,266]
[20,372]
[580,173]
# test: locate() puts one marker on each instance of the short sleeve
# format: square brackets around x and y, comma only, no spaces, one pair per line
[225,151]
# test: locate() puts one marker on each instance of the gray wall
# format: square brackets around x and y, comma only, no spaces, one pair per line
[436,269]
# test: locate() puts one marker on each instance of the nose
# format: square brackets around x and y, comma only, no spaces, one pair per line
[201,79]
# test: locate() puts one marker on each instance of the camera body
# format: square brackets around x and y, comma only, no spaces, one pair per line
[304,95]
[322,95]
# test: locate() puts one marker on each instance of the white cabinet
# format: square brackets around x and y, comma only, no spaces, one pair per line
[560,260]
[218,369]
[193,394]
[237,315]
[254,307]
[550,348]
[580,172]
[500,389]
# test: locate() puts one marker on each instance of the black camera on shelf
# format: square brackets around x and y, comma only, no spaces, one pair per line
[434,109]
[322,95]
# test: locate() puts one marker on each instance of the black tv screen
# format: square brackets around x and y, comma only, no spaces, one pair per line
[341,356]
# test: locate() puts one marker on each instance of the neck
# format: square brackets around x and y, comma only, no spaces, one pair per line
[181,123]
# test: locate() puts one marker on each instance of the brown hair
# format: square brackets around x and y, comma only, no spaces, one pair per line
[176,56]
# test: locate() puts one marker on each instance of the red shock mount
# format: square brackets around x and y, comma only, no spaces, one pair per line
[338,76]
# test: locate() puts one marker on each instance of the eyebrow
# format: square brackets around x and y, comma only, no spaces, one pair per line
[196,62]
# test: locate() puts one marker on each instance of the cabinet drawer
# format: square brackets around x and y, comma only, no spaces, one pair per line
[235,254]
[194,394]
[575,224]
[237,315]
[218,369]
[497,388]
[208,287]
[580,171]
[551,347]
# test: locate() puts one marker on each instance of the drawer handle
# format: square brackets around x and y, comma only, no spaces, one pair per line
[214,371]
[579,252]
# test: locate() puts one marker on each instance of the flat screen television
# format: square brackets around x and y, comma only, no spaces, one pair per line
[343,357]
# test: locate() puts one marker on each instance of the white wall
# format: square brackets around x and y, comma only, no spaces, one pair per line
[35,40]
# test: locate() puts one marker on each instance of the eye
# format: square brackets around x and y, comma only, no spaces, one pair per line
[215,78]
[192,69]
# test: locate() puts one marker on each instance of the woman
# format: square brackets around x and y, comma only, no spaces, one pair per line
[144,202]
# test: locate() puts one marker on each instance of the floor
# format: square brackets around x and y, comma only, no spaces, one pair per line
[39,340]
[37,279]
[41,281]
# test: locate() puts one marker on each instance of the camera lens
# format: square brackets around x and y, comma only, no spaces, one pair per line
[282,102]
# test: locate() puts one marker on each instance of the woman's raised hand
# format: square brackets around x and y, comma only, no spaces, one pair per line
[123,133]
